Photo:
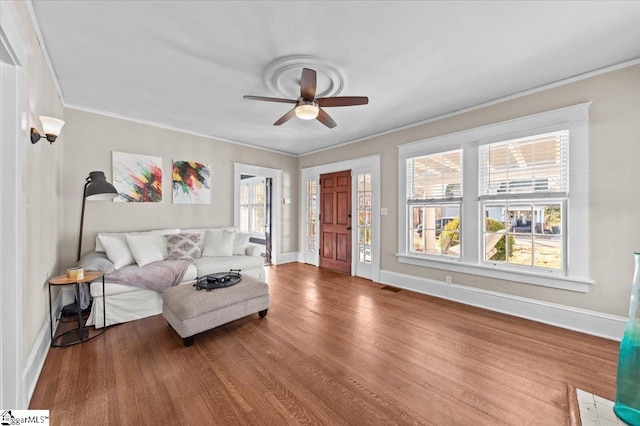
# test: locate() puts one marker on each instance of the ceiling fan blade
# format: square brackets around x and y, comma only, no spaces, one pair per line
[339,101]
[325,119]
[262,98]
[308,84]
[288,116]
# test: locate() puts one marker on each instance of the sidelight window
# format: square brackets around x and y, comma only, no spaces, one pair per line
[364,217]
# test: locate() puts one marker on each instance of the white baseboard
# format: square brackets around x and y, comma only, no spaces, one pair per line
[293,256]
[39,351]
[582,320]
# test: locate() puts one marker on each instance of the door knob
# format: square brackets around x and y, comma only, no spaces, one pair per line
[348,228]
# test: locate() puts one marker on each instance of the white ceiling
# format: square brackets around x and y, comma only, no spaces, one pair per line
[187,64]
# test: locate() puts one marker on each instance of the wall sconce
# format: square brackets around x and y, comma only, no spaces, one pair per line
[51,127]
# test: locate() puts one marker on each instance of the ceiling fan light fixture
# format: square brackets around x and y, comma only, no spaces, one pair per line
[307,110]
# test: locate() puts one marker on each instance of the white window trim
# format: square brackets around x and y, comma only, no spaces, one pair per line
[310,257]
[251,182]
[362,269]
[576,119]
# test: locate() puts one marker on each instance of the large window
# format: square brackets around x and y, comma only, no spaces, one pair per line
[508,200]
[523,190]
[434,200]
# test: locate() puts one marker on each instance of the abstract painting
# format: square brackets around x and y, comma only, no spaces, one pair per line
[138,178]
[191,182]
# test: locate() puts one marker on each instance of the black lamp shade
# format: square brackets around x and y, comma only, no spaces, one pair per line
[98,188]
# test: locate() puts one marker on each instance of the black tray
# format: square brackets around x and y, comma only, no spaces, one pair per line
[218,280]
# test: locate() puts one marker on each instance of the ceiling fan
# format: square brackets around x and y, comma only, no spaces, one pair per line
[308,106]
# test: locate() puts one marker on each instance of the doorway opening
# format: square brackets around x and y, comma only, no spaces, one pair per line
[255,211]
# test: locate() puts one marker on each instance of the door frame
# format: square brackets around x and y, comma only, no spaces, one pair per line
[14,140]
[370,164]
[276,176]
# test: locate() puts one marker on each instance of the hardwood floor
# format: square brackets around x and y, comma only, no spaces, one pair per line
[333,349]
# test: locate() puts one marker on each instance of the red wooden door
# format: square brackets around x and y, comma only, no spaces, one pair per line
[335,221]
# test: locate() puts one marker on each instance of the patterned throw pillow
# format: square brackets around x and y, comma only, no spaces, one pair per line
[183,246]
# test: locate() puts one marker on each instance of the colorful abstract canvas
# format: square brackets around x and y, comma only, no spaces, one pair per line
[138,178]
[191,183]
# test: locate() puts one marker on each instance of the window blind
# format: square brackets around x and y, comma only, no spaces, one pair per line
[531,167]
[435,177]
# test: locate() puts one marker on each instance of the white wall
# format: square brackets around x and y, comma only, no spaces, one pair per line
[90,139]
[614,150]
[40,204]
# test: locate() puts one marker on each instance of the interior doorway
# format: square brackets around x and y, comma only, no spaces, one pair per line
[256,195]
[335,221]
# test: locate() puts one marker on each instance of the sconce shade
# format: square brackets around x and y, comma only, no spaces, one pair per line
[98,188]
[51,127]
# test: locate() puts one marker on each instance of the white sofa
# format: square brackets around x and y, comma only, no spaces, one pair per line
[127,303]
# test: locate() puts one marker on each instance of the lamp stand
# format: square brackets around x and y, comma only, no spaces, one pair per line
[96,187]
[72,308]
[84,201]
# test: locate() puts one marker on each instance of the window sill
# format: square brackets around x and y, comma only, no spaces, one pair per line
[580,285]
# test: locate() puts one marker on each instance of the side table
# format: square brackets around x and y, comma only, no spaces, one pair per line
[80,334]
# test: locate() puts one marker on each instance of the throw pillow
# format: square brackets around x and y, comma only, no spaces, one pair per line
[218,243]
[167,231]
[147,248]
[183,246]
[240,243]
[117,250]
[203,233]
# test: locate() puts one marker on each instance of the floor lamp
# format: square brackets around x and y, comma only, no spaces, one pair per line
[96,188]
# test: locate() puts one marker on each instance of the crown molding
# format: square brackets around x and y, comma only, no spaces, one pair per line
[173,128]
[516,95]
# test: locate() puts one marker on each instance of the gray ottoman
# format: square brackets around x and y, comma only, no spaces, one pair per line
[189,311]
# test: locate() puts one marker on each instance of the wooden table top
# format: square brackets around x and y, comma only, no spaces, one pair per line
[89,276]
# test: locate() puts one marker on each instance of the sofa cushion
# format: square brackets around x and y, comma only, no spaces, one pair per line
[203,233]
[191,274]
[240,243]
[167,231]
[218,243]
[147,248]
[209,265]
[254,249]
[96,261]
[117,250]
[183,246]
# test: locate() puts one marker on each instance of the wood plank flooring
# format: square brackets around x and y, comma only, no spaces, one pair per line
[332,350]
